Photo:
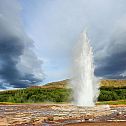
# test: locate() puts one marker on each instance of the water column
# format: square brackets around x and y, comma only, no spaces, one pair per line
[83,82]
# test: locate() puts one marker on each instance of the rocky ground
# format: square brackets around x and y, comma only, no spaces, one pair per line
[61,114]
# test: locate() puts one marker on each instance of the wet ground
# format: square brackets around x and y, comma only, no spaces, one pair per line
[61,114]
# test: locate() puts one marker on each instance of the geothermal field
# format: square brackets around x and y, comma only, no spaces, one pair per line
[61,115]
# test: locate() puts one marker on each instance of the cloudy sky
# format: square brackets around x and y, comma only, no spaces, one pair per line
[37,38]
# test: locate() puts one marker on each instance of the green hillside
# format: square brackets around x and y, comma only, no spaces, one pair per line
[61,92]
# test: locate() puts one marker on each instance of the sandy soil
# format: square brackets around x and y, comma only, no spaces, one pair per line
[3,121]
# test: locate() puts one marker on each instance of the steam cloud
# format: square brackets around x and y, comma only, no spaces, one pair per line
[19,66]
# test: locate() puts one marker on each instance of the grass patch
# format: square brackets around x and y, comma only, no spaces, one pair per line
[6,103]
[119,102]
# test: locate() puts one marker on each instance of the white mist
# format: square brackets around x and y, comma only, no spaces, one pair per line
[84,84]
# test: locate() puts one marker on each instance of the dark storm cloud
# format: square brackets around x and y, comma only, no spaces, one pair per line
[113,66]
[19,66]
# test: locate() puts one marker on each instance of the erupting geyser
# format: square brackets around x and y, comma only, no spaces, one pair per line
[84,83]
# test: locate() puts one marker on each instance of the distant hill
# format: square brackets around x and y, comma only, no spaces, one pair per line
[58,84]
[113,83]
[65,84]
[54,85]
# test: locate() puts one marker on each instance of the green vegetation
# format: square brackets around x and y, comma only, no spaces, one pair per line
[108,94]
[34,95]
[59,92]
